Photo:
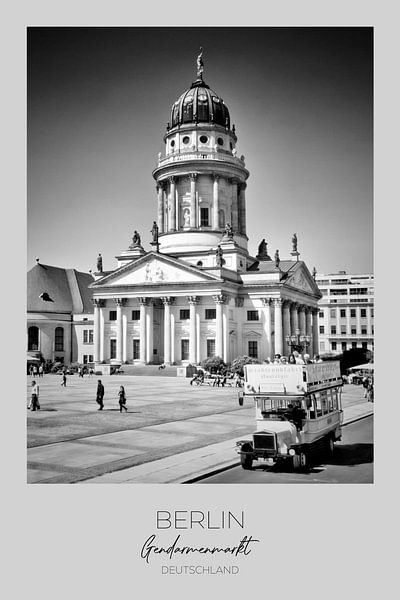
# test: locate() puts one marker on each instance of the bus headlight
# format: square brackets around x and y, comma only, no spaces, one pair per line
[292,452]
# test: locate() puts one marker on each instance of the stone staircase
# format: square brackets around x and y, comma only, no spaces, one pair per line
[152,370]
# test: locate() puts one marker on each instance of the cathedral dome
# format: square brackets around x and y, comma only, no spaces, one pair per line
[199,104]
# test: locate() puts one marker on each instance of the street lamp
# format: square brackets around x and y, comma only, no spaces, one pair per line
[298,342]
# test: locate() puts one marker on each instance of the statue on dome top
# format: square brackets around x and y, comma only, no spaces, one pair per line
[200,64]
[99,263]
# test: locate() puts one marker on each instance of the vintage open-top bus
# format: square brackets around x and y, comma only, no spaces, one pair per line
[298,407]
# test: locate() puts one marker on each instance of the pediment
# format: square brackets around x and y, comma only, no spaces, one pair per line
[154,269]
[302,280]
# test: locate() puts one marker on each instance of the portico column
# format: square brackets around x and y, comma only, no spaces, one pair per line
[119,303]
[294,317]
[219,301]
[302,320]
[266,302]
[124,336]
[172,199]
[309,330]
[286,327]
[96,330]
[149,333]
[172,319]
[101,357]
[235,212]
[142,329]
[193,177]
[215,218]
[315,331]
[225,331]
[160,207]
[278,325]
[167,301]
[198,351]
[193,300]
[239,302]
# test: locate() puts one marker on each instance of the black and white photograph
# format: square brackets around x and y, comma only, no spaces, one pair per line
[201,306]
[198,222]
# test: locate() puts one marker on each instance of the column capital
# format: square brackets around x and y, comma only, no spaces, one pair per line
[286,303]
[143,301]
[120,301]
[167,300]
[295,306]
[239,302]
[193,299]
[278,302]
[172,179]
[193,176]
[98,302]
[242,185]
[266,301]
[302,308]
[216,176]
[220,298]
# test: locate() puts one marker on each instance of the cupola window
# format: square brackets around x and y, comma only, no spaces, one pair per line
[186,139]
[203,139]
[220,141]
[187,111]
[172,143]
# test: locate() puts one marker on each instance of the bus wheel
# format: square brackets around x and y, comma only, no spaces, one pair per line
[247,461]
[330,445]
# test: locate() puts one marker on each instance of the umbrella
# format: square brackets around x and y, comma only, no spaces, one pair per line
[365,367]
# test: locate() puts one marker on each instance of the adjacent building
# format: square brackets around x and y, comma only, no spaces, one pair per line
[59,314]
[346,312]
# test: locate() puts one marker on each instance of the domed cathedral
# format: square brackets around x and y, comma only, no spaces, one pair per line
[198,293]
[201,181]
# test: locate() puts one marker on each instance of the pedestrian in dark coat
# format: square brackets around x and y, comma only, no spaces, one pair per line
[64,380]
[122,399]
[100,394]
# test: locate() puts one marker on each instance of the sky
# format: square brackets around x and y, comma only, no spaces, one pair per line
[98,103]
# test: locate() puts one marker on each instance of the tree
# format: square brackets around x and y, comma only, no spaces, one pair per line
[213,364]
[239,362]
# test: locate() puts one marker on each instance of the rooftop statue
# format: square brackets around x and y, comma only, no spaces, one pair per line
[294,242]
[154,231]
[200,64]
[136,241]
[219,256]
[228,231]
[262,248]
[99,263]
[277,259]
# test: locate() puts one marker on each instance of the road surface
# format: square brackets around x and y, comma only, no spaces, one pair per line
[352,462]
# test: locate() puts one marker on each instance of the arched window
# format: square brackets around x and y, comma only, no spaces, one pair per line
[33,338]
[59,339]
[221,219]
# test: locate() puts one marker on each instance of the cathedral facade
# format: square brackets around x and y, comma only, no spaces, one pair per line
[199,293]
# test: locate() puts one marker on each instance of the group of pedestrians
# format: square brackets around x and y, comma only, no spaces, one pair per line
[100,397]
[36,371]
[295,358]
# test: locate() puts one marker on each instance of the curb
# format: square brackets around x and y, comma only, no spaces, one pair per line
[217,470]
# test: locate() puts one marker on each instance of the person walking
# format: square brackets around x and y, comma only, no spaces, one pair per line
[34,403]
[31,371]
[40,370]
[64,380]
[100,394]
[35,371]
[122,399]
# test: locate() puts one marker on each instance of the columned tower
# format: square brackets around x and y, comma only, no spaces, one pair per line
[201,181]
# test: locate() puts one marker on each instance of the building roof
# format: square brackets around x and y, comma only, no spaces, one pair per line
[56,290]
[199,104]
